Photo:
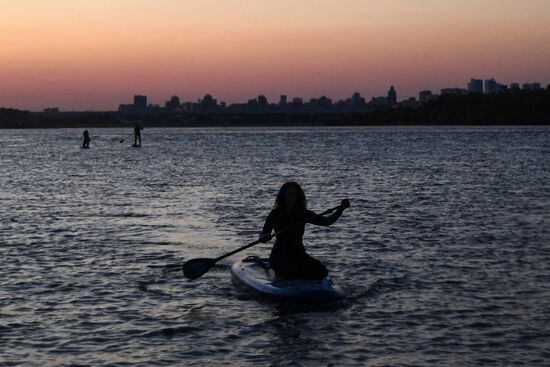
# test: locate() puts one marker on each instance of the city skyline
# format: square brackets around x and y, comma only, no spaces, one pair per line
[142,102]
[392,98]
[93,56]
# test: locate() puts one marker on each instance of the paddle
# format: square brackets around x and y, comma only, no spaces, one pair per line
[122,140]
[195,268]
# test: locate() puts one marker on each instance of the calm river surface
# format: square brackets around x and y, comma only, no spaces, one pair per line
[444,254]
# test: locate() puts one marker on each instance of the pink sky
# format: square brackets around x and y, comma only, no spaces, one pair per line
[93,55]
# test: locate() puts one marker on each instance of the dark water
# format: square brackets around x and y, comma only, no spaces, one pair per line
[444,254]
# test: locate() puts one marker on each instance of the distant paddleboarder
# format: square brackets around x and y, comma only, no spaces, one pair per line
[288,256]
[137,134]
[86,140]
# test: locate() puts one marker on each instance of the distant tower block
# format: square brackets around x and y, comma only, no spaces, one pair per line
[490,86]
[475,86]
[262,102]
[392,96]
[140,102]
[425,96]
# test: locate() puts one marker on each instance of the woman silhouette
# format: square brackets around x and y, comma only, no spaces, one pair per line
[288,256]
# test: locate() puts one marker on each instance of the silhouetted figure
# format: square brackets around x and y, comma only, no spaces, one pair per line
[288,256]
[86,140]
[137,134]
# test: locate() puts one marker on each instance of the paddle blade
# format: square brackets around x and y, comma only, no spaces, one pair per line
[195,268]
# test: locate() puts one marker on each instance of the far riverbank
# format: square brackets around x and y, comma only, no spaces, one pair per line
[509,108]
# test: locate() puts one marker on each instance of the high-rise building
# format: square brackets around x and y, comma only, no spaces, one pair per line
[514,86]
[501,88]
[297,101]
[188,106]
[475,86]
[392,96]
[283,100]
[379,102]
[410,103]
[535,86]
[357,100]
[262,102]
[425,96]
[490,86]
[208,103]
[324,102]
[173,103]
[140,102]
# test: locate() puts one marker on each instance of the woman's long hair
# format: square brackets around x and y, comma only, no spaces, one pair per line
[301,201]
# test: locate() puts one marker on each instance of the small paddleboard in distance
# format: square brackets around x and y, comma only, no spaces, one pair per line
[136,145]
[254,274]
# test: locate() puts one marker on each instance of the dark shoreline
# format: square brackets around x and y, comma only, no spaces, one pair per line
[508,108]
[243,125]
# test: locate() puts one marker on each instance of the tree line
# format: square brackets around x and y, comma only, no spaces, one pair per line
[507,108]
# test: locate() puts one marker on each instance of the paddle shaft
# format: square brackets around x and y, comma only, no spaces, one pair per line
[122,141]
[274,235]
[195,268]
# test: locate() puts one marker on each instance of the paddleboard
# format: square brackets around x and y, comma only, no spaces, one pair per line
[254,274]
[136,145]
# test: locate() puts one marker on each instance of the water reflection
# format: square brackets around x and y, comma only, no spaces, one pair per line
[444,254]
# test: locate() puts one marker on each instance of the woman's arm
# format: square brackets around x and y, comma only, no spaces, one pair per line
[265,235]
[327,221]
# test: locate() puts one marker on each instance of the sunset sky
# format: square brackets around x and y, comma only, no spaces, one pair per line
[93,55]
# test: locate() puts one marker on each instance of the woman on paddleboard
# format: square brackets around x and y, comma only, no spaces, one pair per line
[288,256]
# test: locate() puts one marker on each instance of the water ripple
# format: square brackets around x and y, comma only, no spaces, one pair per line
[444,253]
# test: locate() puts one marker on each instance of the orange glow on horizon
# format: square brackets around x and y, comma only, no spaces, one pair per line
[77,55]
